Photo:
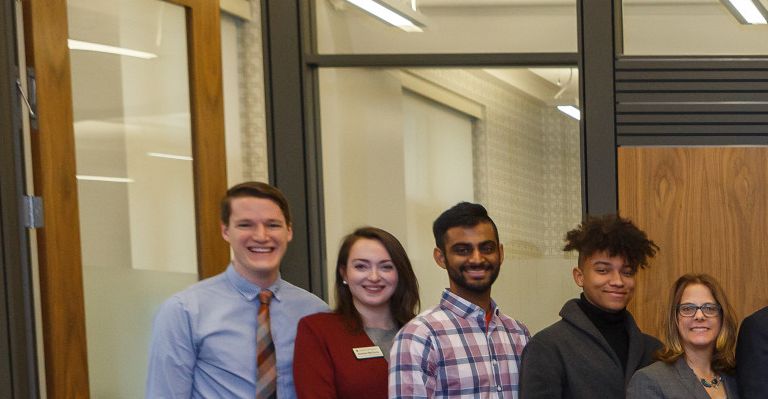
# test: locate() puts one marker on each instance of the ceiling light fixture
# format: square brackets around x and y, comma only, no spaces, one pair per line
[169,156]
[393,13]
[103,48]
[571,111]
[748,12]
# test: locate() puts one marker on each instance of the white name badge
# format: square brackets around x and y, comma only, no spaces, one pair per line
[367,352]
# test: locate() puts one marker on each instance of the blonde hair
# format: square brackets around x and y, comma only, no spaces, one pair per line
[724,356]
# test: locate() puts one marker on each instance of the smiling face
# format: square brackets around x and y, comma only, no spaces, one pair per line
[259,236]
[698,331]
[472,258]
[608,281]
[370,274]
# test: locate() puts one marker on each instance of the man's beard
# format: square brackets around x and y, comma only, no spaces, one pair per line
[458,278]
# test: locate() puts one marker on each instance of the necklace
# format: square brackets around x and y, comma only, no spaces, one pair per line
[714,383]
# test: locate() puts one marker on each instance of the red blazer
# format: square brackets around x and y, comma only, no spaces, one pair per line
[324,365]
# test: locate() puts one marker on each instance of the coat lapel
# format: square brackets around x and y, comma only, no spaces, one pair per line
[730,387]
[689,380]
[636,348]
[572,313]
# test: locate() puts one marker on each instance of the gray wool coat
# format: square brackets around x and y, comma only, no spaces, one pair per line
[571,360]
[673,381]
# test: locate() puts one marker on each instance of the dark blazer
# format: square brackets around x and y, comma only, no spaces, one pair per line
[673,381]
[752,356]
[572,360]
[325,367]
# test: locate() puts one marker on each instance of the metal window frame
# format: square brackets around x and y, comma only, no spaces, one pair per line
[293,120]
[18,370]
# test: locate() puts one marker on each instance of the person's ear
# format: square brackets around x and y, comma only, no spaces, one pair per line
[439,257]
[225,232]
[578,276]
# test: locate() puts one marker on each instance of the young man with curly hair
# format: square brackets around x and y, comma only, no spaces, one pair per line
[596,347]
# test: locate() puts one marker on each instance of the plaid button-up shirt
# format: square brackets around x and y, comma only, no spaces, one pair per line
[447,352]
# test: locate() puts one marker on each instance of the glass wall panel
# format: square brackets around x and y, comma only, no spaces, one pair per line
[233,127]
[449,26]
[689,27]
[135,184]
[402,145]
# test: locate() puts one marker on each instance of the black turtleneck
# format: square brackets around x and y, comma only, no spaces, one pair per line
[611,325]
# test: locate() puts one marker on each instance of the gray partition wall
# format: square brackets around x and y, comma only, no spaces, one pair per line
[292,149]
[599,35]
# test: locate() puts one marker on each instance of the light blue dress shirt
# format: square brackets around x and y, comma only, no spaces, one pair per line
[204,338]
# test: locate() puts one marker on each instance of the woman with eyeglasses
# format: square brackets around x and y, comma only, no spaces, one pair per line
[698,358]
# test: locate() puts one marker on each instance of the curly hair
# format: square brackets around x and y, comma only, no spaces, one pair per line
[724,356]
[616,235]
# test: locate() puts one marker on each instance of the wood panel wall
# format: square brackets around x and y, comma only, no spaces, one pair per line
[707,208]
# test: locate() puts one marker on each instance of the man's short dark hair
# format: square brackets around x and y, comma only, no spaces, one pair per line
[254,189]
[616,235]
[463,214]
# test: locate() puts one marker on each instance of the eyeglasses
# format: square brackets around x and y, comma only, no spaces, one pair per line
[708,309]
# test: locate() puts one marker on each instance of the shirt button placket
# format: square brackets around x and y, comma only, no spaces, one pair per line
[495,363]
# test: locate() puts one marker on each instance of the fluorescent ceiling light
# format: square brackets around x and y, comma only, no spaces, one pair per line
[103,48]
[571,111]
[169,156]
[749,12]
[393,14]
[105,178]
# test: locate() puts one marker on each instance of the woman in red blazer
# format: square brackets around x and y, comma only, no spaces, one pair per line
[344,354]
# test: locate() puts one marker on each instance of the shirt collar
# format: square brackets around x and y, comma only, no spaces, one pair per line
[462,307]
[249,290]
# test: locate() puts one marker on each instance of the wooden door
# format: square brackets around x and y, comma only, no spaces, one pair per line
[54,170]
[707,208]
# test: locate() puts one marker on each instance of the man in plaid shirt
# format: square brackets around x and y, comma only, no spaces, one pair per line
[464,347]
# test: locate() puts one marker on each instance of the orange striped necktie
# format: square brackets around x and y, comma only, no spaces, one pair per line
[266,378]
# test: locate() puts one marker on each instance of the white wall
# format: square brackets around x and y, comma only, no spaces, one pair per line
[438,159]
[363,159]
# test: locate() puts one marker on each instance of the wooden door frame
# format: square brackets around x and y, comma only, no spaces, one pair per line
[53,153]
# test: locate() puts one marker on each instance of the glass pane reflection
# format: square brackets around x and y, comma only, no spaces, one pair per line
[400,146]
[688,27]
[135,184]
[450,26]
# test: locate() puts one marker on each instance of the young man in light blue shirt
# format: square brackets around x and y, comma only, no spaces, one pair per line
[204,338]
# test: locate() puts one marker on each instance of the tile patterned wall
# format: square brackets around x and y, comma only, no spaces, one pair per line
[527,162]
[252,98]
